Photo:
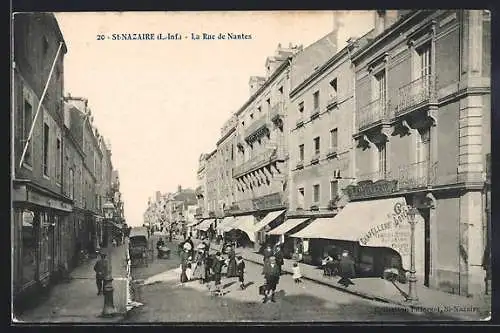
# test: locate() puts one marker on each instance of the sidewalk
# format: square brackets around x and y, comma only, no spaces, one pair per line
[430,300]
[77,301]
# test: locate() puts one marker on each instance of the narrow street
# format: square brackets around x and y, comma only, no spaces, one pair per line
[167,301]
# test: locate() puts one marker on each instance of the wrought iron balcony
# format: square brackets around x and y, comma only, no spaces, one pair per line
[269,201]
[300,164]
[409,176]
[372,114]
[417,93]
[277,111]
[244,205]
[256,128]
[417,175]
[256,162]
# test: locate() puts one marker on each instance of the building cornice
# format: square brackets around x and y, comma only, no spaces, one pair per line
[266,84]
[228,133]
[399,25]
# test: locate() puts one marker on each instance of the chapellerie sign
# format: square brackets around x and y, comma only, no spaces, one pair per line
[366,189]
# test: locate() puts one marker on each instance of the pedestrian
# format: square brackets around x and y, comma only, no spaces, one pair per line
[297,275]
[231,264]
[272,277]
[99,268]
[159,245]
[217,272]
[240,271]
[347,269]
[189,271]
[278,253]
[199,269]
[184,264]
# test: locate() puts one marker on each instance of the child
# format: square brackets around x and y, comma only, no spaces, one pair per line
[240,271]
[297,276]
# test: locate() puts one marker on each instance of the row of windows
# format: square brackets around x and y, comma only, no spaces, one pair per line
[316,191]
[317,144]
[251,115]
[316,97]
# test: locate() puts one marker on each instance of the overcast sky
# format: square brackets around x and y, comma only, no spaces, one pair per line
[162,103]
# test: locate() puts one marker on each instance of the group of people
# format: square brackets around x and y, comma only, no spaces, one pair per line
[342,265]
[199,264]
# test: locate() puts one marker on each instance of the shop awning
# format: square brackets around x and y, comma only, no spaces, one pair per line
[246,224]
[204,225]
[226,223]
[192,224]
[373,223]
[286,226]
[270,217]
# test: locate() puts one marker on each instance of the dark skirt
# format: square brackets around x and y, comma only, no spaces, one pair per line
[184,278]
[231,268]
[272,282]
[217,278]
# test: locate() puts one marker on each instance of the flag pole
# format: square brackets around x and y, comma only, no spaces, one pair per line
[39,106]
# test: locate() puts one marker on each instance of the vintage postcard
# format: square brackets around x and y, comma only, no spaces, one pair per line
[267,166]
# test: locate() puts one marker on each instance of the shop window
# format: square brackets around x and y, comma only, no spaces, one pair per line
[29,248]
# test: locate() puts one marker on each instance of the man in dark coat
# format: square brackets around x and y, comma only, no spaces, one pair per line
[100,272]
[240,271]
[272,276]
[347,269]
[278,253]
[217,271]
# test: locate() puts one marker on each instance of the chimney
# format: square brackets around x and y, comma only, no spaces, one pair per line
[179,189]
[383,20]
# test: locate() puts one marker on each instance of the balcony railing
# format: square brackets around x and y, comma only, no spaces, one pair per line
[417,92]
[254,163]
[332,152]
[277,110]
[300,164]
[417,175]
[374,112]
[269,201]
[410,176]
[254,127]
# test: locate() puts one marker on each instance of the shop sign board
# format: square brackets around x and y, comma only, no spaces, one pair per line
[395,232]
[368,189]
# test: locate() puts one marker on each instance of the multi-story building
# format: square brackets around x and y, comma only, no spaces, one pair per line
[261,170]
[226,149]
[201,188]
[321,116]
[423,133]
[211,174]
[40,208]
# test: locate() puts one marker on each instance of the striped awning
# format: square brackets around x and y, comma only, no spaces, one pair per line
[286,226]
[246,224]
[226,223]
[270,217]
[205,225]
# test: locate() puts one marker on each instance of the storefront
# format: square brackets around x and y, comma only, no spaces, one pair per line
[40,220]
[268,222]
[245,230]
[376,232]
[281,234]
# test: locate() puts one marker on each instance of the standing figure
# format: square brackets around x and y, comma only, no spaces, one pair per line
[347,269]
[217,272]
[199,270]
[99,268]
[278,253]
[184,264]
[272,276]
[231,265]
[297,275]
[240,270]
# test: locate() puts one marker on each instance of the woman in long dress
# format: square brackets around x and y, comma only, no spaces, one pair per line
[231,265]
[199,270]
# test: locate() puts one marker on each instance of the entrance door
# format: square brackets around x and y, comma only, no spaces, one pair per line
[427,246]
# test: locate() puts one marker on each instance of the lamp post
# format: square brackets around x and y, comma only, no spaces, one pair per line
[412,294]
[109,307]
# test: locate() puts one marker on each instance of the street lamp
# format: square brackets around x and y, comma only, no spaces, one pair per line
[412,295]
[109,307]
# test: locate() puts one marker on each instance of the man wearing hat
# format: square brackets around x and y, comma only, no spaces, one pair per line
[347,269]
[100,271]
